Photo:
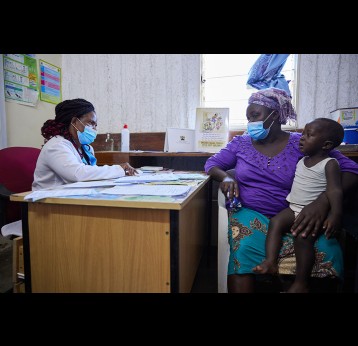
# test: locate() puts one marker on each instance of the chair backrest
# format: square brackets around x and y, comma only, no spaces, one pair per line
[17,166]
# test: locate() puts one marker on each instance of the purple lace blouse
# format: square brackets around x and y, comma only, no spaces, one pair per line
[264,182]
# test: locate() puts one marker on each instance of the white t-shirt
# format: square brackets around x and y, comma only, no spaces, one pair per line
[308,184]
[59,163]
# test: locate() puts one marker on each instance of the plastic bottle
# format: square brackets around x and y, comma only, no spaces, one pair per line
[125,138]
[109,143]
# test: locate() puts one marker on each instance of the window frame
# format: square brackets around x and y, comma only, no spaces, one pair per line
[289,126]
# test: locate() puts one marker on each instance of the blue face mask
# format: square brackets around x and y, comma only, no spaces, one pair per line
[256,129]
[87,136]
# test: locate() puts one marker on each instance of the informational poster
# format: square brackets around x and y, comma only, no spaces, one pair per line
[20,79]
[50,90]
[211,129]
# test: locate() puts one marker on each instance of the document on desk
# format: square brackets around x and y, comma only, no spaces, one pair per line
[148,190]
[36,195]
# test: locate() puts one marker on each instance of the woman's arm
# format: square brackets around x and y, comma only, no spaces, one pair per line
[334,192]
[311,218]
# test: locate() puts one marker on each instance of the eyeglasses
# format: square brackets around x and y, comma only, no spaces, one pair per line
[92,124]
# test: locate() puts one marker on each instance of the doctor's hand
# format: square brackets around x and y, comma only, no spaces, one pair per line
[128,169]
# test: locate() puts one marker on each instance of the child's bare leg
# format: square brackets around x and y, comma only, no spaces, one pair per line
[305,258]
[243,283]
[279,224]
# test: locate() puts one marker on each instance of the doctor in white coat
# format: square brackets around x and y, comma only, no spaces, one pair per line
[67,155]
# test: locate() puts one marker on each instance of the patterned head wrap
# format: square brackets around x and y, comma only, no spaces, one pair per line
[276,99]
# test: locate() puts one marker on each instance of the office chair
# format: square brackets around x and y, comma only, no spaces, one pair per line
[17,166]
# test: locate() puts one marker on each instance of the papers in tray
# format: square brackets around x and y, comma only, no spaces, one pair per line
[146,178]
[190,176]
[149,190]
[96,183]
[151,168]
[36,195]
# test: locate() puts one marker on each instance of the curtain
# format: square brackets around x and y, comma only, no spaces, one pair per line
[266,72]
[3,135]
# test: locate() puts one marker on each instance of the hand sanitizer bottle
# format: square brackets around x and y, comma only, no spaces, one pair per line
[125,138]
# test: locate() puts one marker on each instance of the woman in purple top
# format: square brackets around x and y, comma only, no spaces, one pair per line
[265,161]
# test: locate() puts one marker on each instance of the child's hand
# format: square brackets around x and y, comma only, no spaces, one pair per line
[331,226]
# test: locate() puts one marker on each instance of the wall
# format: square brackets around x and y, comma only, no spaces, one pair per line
[154,91]
[149,92]
[326,82]
[23,123]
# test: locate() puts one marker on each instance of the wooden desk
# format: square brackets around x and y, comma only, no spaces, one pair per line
[112,245]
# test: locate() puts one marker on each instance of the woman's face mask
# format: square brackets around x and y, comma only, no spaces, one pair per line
[256,129]
[87,136]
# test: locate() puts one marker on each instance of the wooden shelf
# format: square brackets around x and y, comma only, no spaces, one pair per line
[181,161]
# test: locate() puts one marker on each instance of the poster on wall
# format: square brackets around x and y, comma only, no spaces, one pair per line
[211,129]
[20,79]
[50,90]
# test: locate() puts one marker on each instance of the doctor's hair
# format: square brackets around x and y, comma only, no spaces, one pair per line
[65,111]
[68,109]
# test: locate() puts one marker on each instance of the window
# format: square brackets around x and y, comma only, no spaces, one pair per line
[224,78]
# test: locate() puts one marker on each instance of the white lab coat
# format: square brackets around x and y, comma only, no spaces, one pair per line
[59,163]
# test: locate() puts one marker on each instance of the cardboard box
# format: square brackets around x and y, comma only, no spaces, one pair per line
[346,116]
